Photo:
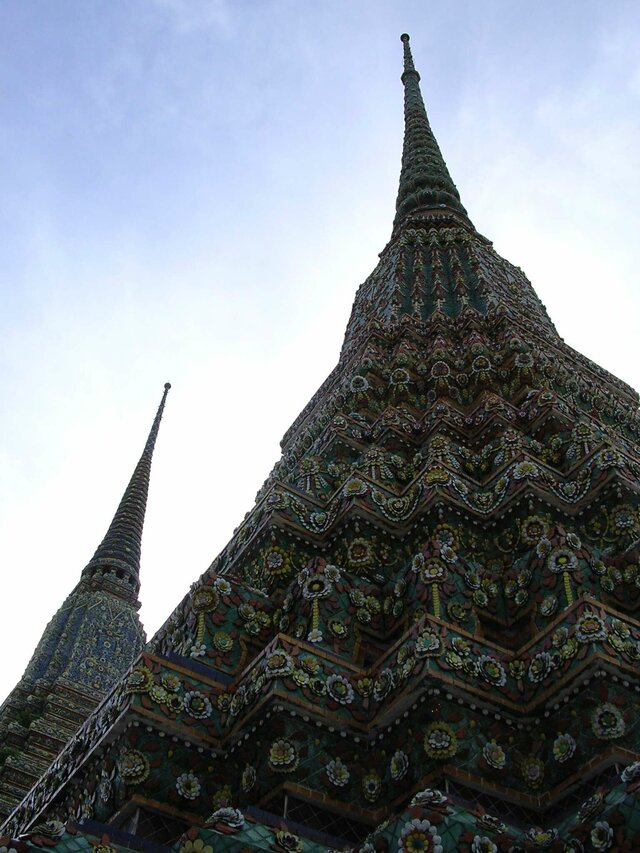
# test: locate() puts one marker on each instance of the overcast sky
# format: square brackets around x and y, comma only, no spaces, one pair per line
[192,191]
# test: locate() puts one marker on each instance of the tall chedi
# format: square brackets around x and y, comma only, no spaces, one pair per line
[86,648]
[423,637]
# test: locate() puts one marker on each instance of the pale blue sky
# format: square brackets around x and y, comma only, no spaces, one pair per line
[192,191]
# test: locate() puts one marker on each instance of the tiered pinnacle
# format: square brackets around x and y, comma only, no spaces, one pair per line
[425,182]
[119,551]
[424,634]
[89,644]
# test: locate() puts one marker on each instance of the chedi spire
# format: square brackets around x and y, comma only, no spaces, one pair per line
[425,181]
[119,552]
[90,642]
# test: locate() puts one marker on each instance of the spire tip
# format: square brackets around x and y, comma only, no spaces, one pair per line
[425,181]
[121,545]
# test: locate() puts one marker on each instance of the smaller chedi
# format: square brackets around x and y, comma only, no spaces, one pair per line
[89,644]
[424,635]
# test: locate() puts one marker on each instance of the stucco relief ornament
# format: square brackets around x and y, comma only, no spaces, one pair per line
[399,765]
[197,705]
[541,837]
[440,741]
[248,778]
[188,786]
[170,682]
[287,842]
[226,819]
[590,628]
[631,773]
[428,644]
[337,772]
[283,756]
[339,689]
[494,755]
[371,786]
[564,747]
[491,822]
[134,766]
[420,836]
[278,663]
[532,770]
[483,844]
[139,680]
[492,670]
[607,722]
[601,836]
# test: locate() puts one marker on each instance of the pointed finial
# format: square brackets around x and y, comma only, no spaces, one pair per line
[119,552]
[425,181]
[408,58]
[156,423]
